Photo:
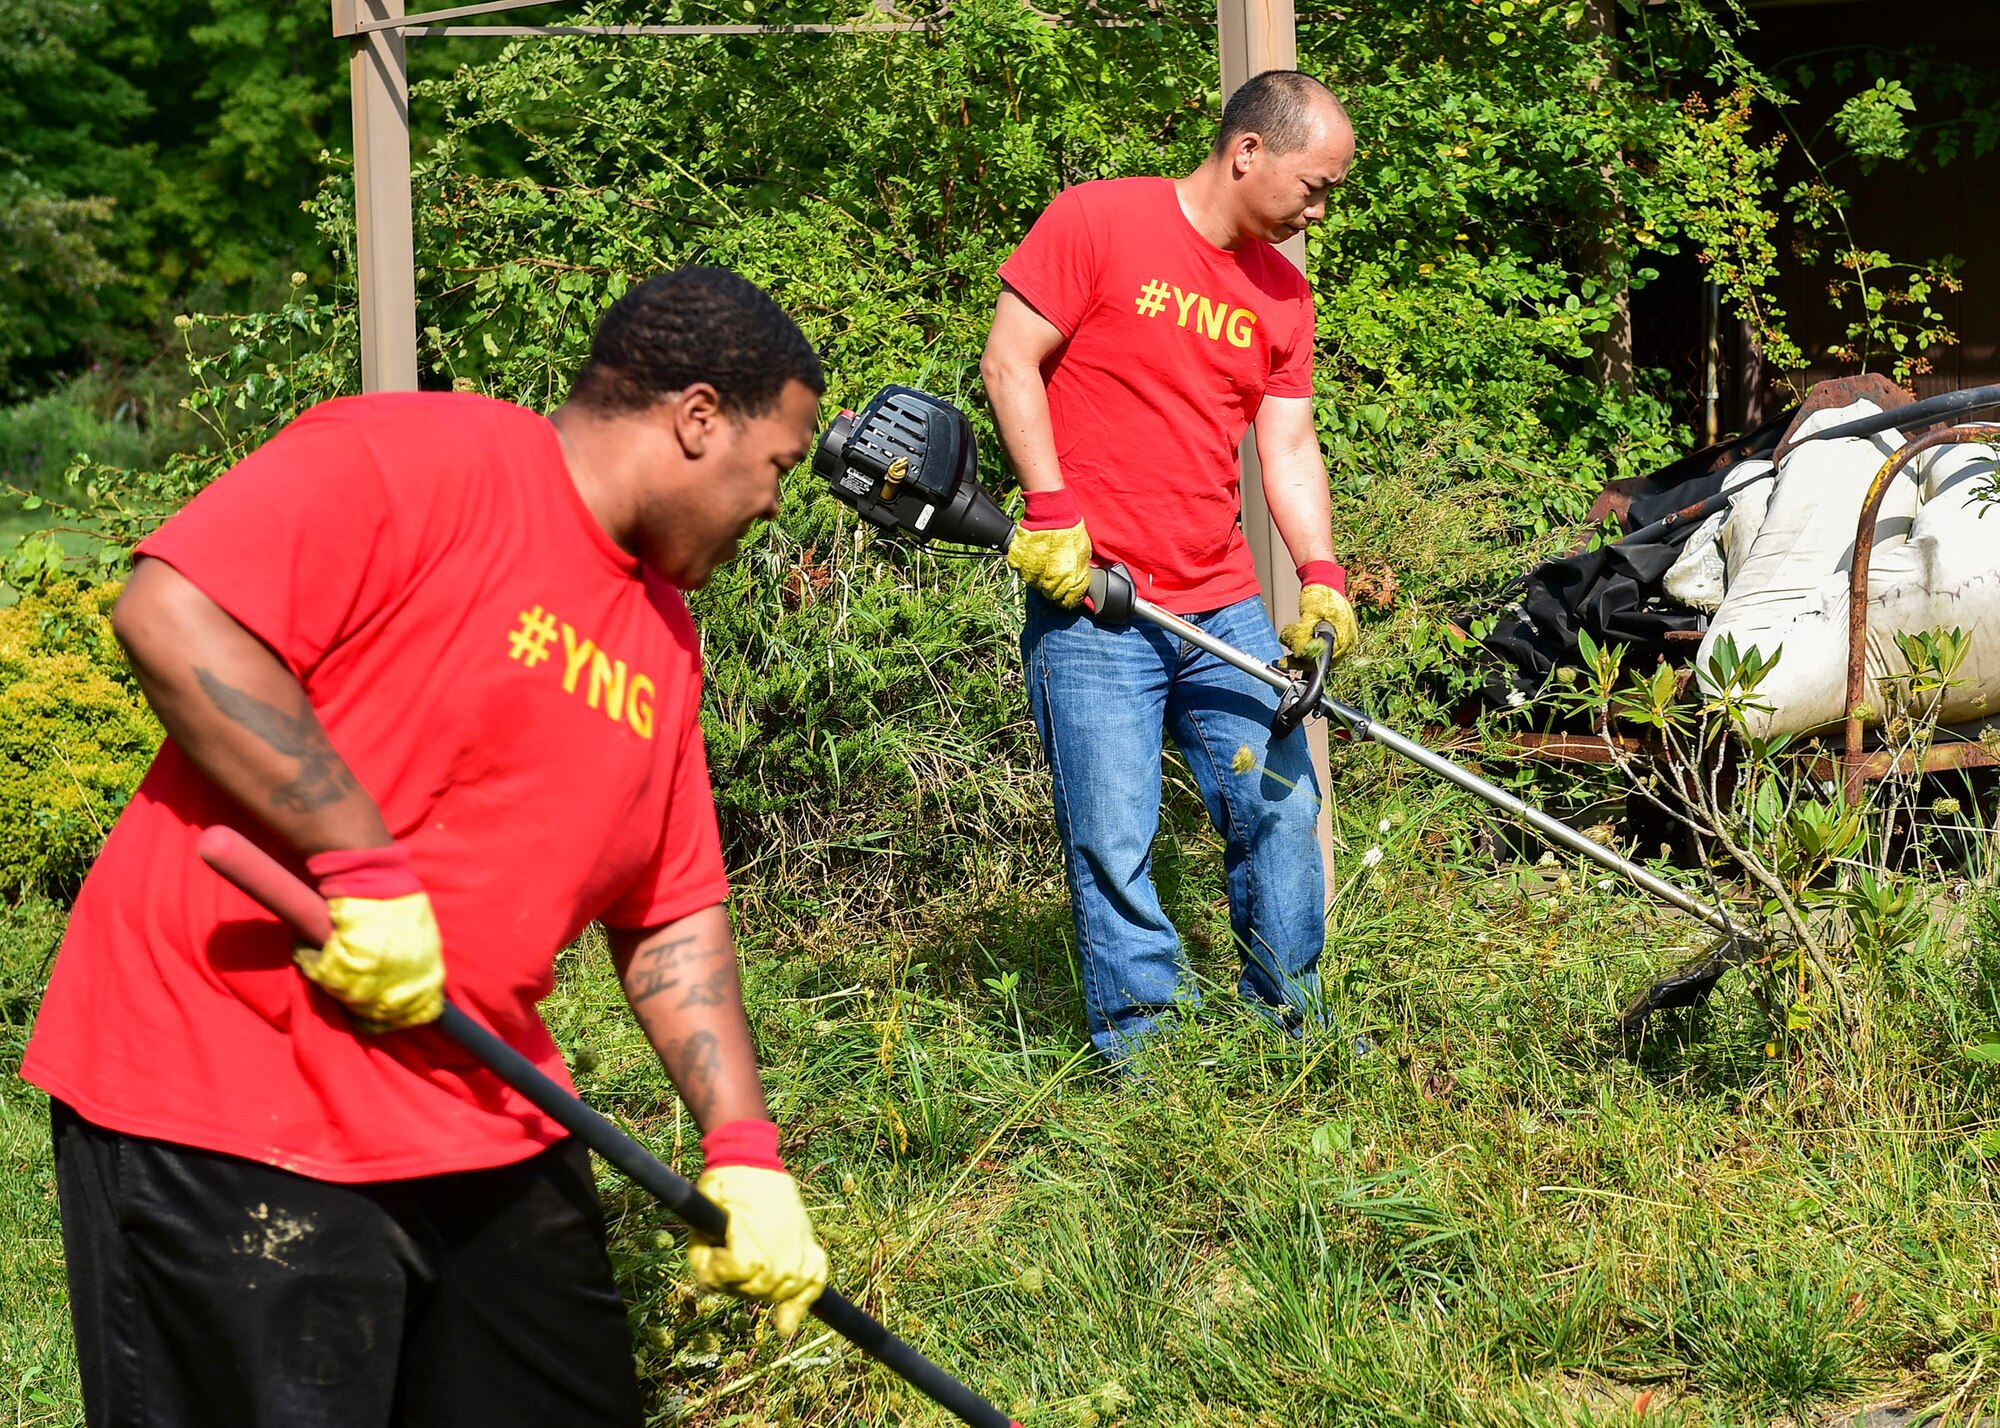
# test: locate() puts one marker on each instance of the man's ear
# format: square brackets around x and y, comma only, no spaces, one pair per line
[696,413]
[1243,153]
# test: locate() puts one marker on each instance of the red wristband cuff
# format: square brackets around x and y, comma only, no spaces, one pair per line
[1324,572]
[364,872]
[752,1143]
[1051,510]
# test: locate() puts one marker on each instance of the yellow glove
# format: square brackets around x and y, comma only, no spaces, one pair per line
[1051,549]
[1317,603]
[385,960]
[771,1254]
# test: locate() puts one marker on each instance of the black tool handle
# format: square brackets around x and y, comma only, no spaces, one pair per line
[258,874]
[1302,698]
[1111,594]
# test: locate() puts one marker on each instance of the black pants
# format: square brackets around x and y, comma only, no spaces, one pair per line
[210,1291]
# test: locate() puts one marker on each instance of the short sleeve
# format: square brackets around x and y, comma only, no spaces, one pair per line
[1055,267]
[295,542]
[685,873]
[1292,371]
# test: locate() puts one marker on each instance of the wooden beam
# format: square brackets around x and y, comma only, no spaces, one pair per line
[1253,36]
[385,247]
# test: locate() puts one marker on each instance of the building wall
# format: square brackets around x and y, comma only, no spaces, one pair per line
[1897,209]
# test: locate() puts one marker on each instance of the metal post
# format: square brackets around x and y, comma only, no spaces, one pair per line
[1253,36]
[1711,365]
[386,255]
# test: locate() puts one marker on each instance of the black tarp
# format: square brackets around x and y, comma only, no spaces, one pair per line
[1614,591]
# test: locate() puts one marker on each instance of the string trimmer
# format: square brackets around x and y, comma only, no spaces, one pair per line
[908,463]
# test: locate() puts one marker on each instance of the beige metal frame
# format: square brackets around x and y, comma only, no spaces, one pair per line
[1253,36]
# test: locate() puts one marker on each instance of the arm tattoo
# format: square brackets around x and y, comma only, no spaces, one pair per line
[657,969]
[694,1064]
[712,990]
[322,779]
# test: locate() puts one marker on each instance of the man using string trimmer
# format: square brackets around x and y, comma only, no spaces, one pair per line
[430,650]
[1144,326]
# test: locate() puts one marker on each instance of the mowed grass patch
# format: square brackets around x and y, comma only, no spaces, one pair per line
[1472,1202]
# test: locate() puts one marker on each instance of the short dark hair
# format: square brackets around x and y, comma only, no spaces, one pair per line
[1277,107]
[691,325]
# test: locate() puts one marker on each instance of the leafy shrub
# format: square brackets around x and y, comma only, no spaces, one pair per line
[39,440]
[75,735]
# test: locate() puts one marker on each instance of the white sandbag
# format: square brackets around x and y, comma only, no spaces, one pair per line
[1791,591]
[1700,575]
[1698,579]
[1747,509]
[1945,575]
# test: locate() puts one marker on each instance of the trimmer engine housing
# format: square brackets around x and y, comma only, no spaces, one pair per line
[908,462]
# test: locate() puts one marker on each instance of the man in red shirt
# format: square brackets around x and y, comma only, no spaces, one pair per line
[430,650]
[1143,327]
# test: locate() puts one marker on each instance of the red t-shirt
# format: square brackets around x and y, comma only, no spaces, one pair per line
[517,693]
[1171,346]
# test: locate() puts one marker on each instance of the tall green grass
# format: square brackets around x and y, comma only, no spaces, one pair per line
[1495,1210]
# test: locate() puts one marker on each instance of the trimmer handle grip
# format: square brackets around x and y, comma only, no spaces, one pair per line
[1111,594]
[1303,697]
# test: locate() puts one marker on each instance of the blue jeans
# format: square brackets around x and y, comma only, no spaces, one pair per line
[1103,699]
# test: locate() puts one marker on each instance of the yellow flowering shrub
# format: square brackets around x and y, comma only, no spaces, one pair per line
[75,736]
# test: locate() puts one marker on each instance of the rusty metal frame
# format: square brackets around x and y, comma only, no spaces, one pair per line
[1854,763]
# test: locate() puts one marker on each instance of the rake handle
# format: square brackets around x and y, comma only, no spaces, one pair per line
[254,871]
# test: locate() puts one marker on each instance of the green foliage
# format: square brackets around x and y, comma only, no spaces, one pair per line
[158,153]
[1830,872]
[30,928]
[75,736]
[1871,123]
[61,109]
[1514,181]
[40,439]
[1917,110]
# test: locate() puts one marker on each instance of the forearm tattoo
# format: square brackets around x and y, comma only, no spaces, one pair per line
[659,969]
[322,778]
[695,1063]
[704,975]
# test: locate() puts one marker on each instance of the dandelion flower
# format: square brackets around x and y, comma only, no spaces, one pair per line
[1244,760]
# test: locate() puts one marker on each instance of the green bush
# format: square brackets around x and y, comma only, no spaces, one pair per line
[75,736]
[39,440]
